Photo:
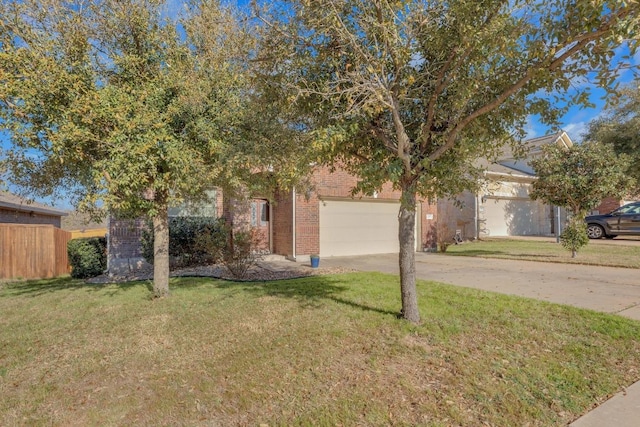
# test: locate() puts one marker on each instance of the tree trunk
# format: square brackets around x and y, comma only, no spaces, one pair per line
[406,236]
[161,251]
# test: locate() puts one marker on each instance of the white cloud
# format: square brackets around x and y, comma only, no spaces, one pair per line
[575,130]
[578,124]
[530,128]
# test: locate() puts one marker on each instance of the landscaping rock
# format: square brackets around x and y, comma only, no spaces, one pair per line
[263,271]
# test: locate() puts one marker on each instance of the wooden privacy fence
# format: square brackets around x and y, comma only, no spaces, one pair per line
[30,251]
[94,232]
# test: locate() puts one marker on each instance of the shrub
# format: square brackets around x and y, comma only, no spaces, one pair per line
[185,248]
[212,241]
[574,236]
[240,253]
[443,235]
[87,256]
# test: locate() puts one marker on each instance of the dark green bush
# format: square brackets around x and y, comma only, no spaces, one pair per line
[574,236]
[185,241]
[87,256]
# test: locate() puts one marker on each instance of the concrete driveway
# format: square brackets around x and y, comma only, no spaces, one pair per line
[606,289]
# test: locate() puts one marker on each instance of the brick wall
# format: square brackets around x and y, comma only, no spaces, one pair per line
[339,184]
[17,217]
[124,247]
[428,225]
[607,205]
[307,225]
[124,237]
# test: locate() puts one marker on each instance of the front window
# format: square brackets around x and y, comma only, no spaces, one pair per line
[205,208]
[259,213]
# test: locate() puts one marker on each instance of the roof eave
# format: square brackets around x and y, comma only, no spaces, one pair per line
[35,209]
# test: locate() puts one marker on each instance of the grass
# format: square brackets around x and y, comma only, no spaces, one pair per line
[604,254]
[323,350]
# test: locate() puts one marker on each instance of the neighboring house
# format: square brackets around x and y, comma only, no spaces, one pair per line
[611,203]
[503,206]
[81,225]
[31,243]
[327,221]
[17,210]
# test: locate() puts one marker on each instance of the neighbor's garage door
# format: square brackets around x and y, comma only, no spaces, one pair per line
[513,217]
[358,228]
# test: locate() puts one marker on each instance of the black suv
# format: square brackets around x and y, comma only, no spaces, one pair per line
[624,220]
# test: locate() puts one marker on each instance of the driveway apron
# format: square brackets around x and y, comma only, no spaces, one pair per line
[606,289]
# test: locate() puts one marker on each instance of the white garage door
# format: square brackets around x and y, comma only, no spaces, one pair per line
[508,217]
[358,228]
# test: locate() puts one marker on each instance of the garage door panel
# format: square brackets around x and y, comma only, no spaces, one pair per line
[357,228]
[508,217]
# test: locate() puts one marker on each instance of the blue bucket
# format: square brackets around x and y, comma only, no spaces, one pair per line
[315,262]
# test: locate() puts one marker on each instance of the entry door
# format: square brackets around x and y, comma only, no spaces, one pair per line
[260,222]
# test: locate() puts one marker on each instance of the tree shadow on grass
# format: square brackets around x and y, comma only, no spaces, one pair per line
[35,288]
[309,291]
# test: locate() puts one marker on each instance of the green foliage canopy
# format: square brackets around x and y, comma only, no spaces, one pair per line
[415,91]
[112,102]
[579,177]
[620,127]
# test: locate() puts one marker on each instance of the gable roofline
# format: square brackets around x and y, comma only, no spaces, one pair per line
[17,203]
[560,138]
[522,165]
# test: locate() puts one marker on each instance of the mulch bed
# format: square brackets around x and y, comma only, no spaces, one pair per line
[264,271]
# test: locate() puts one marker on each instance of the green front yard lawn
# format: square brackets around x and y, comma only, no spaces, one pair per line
[323,350]
[535,250]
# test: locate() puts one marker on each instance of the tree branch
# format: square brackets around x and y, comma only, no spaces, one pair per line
[571,47]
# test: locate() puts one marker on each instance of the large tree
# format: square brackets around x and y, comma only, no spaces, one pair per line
[619,126]
[413,92]
[578,178]
[117,103]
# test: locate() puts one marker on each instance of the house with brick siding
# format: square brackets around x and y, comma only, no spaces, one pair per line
[326,220]
[17,210]
[330,222]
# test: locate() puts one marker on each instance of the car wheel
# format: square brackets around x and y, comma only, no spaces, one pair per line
[594,231]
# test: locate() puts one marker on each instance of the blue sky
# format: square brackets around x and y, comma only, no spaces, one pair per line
[574,122]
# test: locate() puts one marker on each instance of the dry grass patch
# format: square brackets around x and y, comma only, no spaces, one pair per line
[324,350]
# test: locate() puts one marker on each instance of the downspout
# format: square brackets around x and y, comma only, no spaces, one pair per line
[476,216]
[294,223]
[558,228]
[270,227]
[109,250]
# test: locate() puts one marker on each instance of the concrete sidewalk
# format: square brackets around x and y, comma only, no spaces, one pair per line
[605,289]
